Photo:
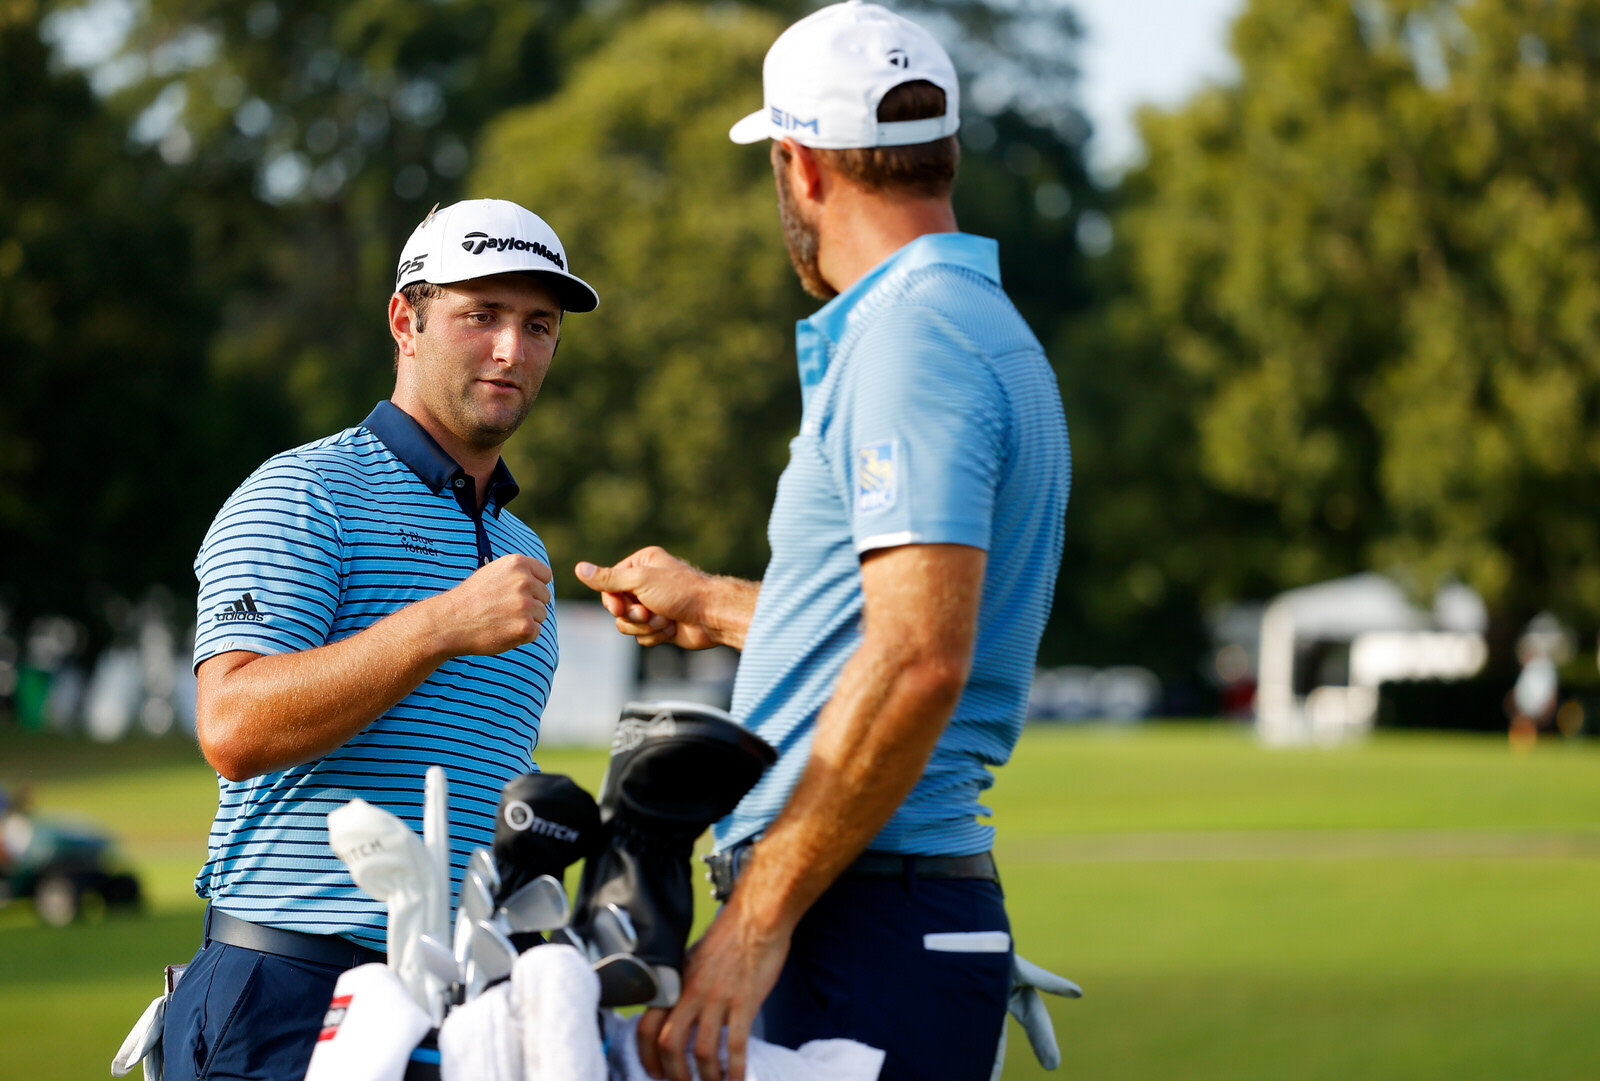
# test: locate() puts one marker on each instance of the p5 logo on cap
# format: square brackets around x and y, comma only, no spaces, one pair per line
[877,476]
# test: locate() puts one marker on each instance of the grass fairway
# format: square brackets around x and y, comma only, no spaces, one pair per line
[1416,907]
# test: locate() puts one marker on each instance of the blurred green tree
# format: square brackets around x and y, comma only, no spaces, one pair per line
[104,408]
[309,139]
[1374,262]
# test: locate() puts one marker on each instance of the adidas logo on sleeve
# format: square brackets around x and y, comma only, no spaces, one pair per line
[243,610]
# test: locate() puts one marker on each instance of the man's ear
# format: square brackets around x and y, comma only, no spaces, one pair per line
[805,169]
[403,324]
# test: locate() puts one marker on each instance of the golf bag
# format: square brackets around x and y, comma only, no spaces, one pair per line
[676,767]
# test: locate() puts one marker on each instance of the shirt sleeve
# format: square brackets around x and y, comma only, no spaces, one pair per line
[270,568]
[918,445]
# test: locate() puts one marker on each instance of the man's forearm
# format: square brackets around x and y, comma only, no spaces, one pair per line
[270,712]
[259,713]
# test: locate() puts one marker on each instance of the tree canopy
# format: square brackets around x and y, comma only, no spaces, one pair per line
[1374,261]
[1349,319]
[105,411]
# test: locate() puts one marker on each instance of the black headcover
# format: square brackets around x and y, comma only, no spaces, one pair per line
[545,823]
[676,767]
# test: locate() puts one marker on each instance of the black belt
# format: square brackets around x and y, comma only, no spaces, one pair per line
[723,868]
[320,949]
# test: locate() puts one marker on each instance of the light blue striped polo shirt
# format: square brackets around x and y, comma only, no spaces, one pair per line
[930,416]
[320,542]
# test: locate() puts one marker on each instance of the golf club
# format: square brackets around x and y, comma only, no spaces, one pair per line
[441,965]
[436,839]
[492,956]
[474,904]
[538,906]
[625,981]
[482,862]
[613,931]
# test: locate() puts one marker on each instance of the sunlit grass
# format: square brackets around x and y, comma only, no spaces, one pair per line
[1414,907]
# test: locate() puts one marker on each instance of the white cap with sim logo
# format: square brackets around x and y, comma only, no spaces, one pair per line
[825,75]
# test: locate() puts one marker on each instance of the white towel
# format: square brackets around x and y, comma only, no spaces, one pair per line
[819,1060]
[143,1043]
[478,1040]
[557,998]
[370,1030]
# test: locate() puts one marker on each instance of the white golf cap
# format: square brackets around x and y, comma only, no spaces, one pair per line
[825,75]
[479,237]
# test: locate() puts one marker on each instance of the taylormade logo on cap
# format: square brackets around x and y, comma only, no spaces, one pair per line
[476,238]
[477,242]
[825,75]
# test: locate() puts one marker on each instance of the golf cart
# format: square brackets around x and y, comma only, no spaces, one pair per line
[63,867]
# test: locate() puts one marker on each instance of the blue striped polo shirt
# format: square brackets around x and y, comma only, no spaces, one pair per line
[320,542]
[930,416]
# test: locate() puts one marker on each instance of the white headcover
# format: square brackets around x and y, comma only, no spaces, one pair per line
[370,1029]
[391,863]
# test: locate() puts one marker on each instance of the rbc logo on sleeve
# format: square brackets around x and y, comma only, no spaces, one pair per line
[877,476]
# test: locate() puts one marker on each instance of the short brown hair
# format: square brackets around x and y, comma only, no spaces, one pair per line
[926,169]
[419,295]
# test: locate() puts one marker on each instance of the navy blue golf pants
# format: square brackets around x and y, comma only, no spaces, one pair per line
[241,1015]
[920,968]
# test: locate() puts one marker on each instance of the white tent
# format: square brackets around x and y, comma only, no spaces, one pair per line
[1388,637]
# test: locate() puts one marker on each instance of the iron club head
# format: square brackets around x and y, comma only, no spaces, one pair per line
[492,952]
[540,905]
[613,931]
[483,863]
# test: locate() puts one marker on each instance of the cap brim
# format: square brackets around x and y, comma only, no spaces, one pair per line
[752,129]
[575,294]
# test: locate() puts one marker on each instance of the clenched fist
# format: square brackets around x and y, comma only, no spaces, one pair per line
[502,605]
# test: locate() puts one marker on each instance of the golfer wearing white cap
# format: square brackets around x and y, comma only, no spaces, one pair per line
[889,647]
[368,608]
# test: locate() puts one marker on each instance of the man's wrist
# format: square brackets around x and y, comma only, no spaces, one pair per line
[425,626]
[725,607]
[769,898]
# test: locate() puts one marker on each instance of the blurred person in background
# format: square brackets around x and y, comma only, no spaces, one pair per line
[1535,695]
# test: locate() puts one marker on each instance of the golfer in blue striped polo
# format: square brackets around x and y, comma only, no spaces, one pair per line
[368,607]
[889,646]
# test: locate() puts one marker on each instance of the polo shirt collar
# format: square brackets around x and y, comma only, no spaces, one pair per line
[420,453]
[816,336]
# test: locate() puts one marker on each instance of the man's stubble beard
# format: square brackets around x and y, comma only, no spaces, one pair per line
[468,421]
[801,239]
[486,436]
